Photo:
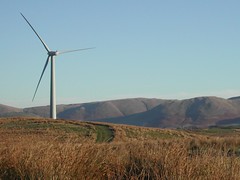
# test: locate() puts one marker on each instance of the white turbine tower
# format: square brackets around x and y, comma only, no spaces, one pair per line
[51,55]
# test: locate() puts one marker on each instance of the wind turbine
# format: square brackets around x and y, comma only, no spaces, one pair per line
[51,55]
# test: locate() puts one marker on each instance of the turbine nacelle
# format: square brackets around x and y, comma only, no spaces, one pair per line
[53,53]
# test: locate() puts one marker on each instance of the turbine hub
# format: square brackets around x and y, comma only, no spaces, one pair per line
[53,53]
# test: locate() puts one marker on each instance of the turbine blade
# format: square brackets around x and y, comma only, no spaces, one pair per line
[44,44]
[41,77]
[63,52]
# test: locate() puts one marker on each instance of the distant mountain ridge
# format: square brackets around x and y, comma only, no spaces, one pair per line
[199,112]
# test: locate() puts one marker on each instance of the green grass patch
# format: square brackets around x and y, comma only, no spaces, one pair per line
[216,131]
[158,134]
[104,133]
[77,129]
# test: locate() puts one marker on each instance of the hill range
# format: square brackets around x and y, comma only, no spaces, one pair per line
[195,112]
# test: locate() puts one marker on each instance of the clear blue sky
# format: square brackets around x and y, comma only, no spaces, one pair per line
[161,49]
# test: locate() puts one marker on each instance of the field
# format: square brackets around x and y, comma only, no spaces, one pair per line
[32,148]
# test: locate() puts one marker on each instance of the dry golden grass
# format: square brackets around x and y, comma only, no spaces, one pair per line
[152,156]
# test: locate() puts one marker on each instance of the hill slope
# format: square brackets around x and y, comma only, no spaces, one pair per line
[109,109]
[42,129]
[200,112]
[7,109]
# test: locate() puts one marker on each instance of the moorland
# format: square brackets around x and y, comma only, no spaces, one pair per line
[41,148]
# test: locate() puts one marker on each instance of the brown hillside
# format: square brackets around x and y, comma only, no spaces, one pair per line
[199,111]
[8,109]
[109,109]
